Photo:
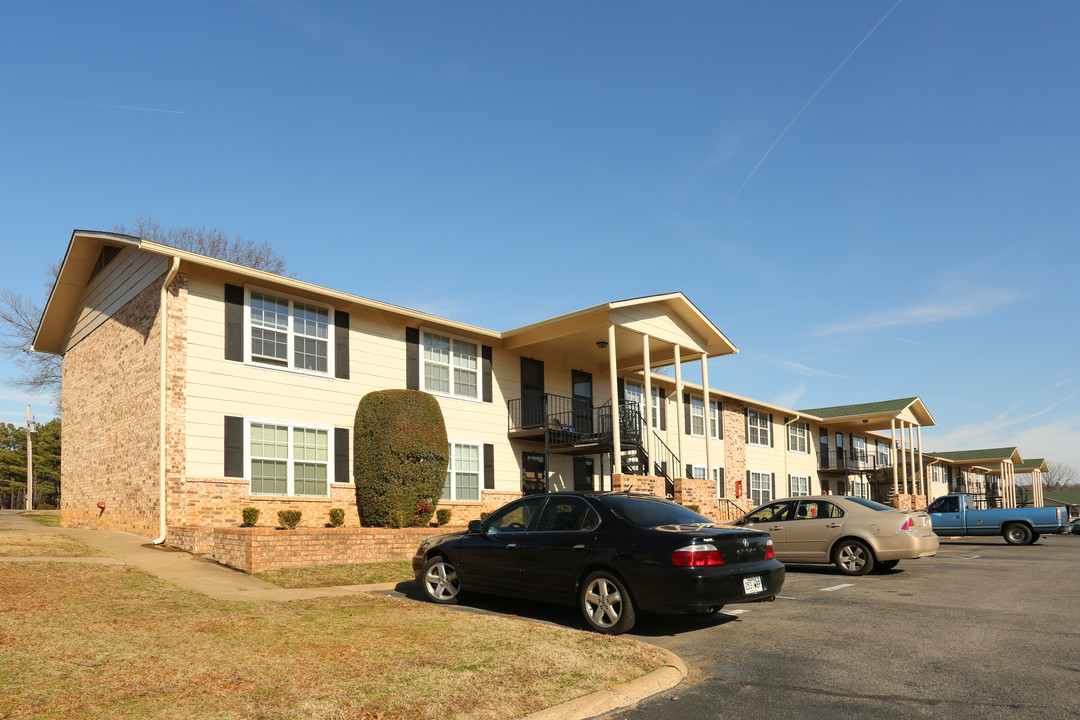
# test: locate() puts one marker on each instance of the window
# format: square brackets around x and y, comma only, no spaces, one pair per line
[883,454]
[858,449]
[656,409]
[516,517]
[714,419]
[817,510]
[798,437]
[450,366]
[287,459]
[634,397]
[800,485]
[760,488]
[699,472]
[463,473]
[288,333]
[860,487]
[567,515]
[757,428]
[697,417]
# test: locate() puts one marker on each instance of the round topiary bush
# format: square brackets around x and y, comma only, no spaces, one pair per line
[400,457]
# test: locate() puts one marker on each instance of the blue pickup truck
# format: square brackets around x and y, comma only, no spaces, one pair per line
[957,515]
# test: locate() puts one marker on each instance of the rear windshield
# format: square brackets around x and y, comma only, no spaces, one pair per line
[872,505]
[652,512]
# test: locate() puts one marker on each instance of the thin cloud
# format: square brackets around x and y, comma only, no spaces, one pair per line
[790,397]
[957,305]
[24,397]
[805,371]
[999,431]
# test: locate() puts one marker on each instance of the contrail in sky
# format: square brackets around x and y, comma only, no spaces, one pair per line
[806,105]
[120,107]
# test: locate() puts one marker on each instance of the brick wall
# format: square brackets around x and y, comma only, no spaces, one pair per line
[735,450]
[702,493]
[647,484]
[110,406]
[264,548]
[909,502]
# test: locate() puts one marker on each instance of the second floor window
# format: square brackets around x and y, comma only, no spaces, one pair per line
[450,366]
[798,437]
[757,428]
[289,333]
[714,419]
[697,417]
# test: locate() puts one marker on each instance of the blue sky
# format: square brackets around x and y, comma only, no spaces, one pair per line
[871,199]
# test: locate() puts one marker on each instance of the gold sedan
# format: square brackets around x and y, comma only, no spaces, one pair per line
[854,534]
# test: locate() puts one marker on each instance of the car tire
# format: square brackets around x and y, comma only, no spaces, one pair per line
[1017,534]
[440,581]
[883,565]
[605,604]
[853,557]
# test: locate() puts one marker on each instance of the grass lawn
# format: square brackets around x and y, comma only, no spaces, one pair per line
[329,575]
[108,641]
[25,544]
[45,517]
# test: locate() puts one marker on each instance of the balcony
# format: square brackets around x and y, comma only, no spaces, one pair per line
[851,461]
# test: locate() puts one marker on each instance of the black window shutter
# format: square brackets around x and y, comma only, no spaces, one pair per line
[341,455]
[489,466]
[621,390]
[689,471]
[485,355]
[746,414]
[341,345]
[234,323]
[663,410]
[234,446]
[412,358]
[720,482]
[771,429]
[746,490]
[686,413]
[773,478]
[720,419]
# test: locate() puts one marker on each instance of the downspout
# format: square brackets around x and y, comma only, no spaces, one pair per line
[174,268]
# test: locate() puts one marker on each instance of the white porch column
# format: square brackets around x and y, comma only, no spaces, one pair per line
[922,468]
[678,409]
[616,434]
[895,453]
[903,464]
[648,405]
[708,434]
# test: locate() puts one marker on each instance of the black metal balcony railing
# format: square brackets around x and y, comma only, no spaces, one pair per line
[850,461]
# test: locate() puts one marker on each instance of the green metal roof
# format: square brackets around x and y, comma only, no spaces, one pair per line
[873,408]
[1031,464]
[1067,497]
[990,454]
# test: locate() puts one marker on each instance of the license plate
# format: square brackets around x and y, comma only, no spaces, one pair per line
[752,585]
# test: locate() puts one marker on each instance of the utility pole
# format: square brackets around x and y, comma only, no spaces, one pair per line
[29,461]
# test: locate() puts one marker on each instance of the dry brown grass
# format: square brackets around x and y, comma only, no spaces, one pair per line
[25,544]
[331,575]
[97,641]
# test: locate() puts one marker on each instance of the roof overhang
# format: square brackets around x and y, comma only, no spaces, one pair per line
[914,413]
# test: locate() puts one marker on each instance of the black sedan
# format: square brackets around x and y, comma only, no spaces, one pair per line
[611,554]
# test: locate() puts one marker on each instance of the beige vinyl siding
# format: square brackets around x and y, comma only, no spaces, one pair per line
[129,273]
[652,321]
[217,387]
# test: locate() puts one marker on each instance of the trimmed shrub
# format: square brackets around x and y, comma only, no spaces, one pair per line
[250,516]
[442,515]
[337,517]
[289,518]
[400,458]
[45,506]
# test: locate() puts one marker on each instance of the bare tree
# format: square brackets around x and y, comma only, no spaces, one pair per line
[1060,476]
[19,315]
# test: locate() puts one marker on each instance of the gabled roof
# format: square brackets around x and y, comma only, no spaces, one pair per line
[873,415]
[1031,465]
[872,408]
[979,457]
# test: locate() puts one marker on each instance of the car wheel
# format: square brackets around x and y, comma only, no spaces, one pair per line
[853,557]
[605,604]
[440,581]
[1034,538]
[1017,534]
[883,565]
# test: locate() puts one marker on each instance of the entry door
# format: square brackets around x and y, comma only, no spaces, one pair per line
[583,402]
[583,474]
[532,393]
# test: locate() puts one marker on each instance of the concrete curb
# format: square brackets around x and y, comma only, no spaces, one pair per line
[618,697]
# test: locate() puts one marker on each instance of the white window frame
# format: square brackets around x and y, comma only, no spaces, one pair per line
[638,391]
[451,366]
[700,472]
[451,484]
[801,492]
[290,460]
[860,488]
[291,333]
[760,490]
[761,428]
[697,412]
[656,400]
[883,455]
[714,419]
[799,437]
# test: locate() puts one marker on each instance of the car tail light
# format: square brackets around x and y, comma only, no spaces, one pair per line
[770,553]
[908,525]
[697,556]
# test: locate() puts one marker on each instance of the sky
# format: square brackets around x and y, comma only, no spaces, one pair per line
[871,199]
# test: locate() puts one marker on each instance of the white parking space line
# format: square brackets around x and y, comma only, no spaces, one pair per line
[837,587]
[735,612]
[785,597]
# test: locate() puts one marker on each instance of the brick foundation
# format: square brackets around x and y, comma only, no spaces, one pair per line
[909,502]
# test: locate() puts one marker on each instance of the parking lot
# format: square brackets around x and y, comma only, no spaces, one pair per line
[982,630]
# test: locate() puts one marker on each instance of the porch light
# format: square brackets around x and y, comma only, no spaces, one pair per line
[602,344]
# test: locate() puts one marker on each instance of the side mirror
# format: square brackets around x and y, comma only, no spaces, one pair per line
[474,526]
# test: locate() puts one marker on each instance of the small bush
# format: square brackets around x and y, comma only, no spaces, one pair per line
[422,516]
[45,506]
[250,516]
[483,515]
[693,508]
[442,515]
[337,517]
[289,518]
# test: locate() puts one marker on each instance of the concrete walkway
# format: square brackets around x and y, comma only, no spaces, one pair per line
[200,575]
